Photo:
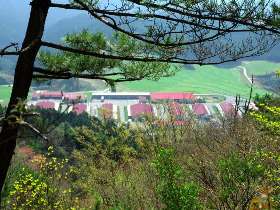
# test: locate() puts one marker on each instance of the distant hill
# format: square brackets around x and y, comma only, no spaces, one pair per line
[14,16]
[74,24]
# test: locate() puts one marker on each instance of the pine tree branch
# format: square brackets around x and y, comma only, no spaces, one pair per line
[248,21]
[67,73]
[47,74]
[147,15]
[172,59]
[183,11]
[220,24]
[4,51]
[17,51]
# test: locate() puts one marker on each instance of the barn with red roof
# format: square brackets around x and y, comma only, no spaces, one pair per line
[79,108]
[228,108]
[45,105]
[51,95]
[107,109]
[200,109]
[176,109]
[138,110]
[73,96]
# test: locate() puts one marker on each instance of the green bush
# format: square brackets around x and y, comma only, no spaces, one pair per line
[174,193]
[44,187]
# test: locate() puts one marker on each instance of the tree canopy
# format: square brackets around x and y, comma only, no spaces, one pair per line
[67,64]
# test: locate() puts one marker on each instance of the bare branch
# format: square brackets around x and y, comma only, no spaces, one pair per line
[17,51]
[11,45]
[35,130]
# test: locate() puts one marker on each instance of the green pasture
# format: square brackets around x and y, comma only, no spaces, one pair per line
[260,67]
[5,92]
[203,79]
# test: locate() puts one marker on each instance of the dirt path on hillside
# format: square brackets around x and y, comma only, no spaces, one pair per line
[245,74]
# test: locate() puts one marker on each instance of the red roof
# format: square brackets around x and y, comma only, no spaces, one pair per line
[79,108]
[73,96]
[107,106]
[35,95]
[51,94]
[176,109]
[108,109]
[227,107]
[171,96]
[45,105]
[140,109]
[200,109]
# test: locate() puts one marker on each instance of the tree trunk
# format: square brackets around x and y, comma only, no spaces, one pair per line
[22,81]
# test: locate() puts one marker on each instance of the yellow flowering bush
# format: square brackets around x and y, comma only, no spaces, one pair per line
[268,117]
[272,172]
[47,188]
[277,73]
[28,192]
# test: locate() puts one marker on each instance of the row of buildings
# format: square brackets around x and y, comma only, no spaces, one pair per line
[131,106]
[180,97]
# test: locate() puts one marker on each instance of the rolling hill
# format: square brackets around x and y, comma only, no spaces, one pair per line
[208,79]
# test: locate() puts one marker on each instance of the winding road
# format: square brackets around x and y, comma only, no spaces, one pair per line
[244,72]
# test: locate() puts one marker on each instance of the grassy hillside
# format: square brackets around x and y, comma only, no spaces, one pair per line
[5,92]
[200,79]
[205,79]
[260,67]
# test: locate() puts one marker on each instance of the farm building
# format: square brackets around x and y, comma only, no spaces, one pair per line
[138,110]
[107,110]
[57,95]
[176,109]
[51,95]
[79,108]
[73,96]
[227,108]
[176,96]
[200,110]
[120,95]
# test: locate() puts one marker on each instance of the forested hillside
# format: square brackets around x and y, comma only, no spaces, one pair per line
[90,163]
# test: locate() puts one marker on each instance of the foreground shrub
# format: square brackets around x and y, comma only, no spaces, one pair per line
[174,193]
[43,185]
[231,164]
